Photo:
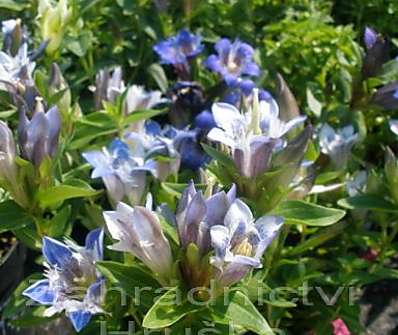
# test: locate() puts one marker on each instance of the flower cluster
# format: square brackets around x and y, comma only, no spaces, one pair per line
[221,226]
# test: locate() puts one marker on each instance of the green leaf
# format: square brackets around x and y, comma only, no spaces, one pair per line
[218,156]
[29,236]
[367,201]
[318,239]
[301,212]
[158,74]
[168,309]
[12,5]
[58,223]
[12,216]
[240,311]
[141,115]
[60,193]
[17,302]
[131,278]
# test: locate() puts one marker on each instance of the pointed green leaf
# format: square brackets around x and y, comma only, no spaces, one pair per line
[301,212]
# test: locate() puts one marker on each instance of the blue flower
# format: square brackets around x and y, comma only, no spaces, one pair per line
[205,121]
[179,49]
[387,96]
[122,169]
[192,155]
[73,284]
[370,37]
[240,242]
[376,53]
[196,215]
[233,61]
[124,165]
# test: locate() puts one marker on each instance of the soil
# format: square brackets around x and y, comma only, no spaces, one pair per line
[379,308]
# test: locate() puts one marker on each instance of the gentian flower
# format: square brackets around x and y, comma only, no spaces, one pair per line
[179,49]
[124,165]
[139,99]
[196,215]
[14,36]
[8,167]
[234,60]
[138,231]
[38,137]
[108,86]
[337,145]
[387,96]
[194,219]
[15,68]
[122,171]
[376,53]
[205,121]
[253,136]
[340,328]
[240,242]
[191,152]
[357,184]
[73,284]
[57,84]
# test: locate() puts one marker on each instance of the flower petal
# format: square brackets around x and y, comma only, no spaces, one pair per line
[40,292]
[56,253]
[95,242]
[80,319]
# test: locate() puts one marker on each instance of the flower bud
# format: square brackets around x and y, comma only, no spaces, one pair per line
[138,230]
[57,84]
[53,20]
[38,137]
[14,36]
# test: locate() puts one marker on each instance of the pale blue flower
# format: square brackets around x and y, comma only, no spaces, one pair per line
[138,231]
[196,215]
[370,37]
[122,170]
[240,242]
[109,85]
[13,69]
[252,136]
[337,144]
[356,185]
[73,284]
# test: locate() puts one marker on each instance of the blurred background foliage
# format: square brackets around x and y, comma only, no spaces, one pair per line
[315,44]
